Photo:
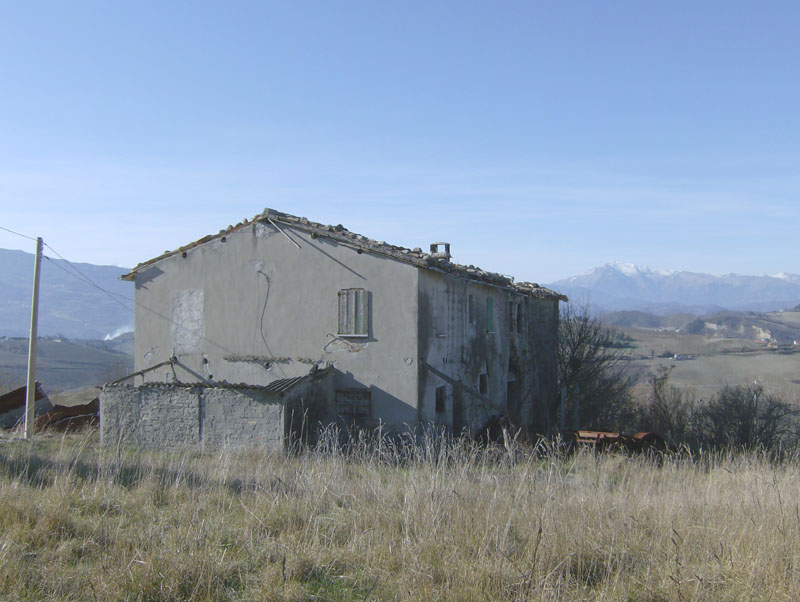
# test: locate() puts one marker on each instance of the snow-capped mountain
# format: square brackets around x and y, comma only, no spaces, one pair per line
[617,286]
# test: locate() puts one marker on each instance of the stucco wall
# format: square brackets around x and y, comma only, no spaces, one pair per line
[541,332]
[516,355]
[254,307]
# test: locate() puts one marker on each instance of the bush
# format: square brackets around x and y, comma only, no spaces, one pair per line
[669,411]
[738,417]
[745,417]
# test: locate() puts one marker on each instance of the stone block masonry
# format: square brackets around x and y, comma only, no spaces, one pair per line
[171,416]
[235,418]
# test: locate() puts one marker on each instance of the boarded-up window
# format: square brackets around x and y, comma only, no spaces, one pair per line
[353,312]
[489,314]
[354,406]
[186,326]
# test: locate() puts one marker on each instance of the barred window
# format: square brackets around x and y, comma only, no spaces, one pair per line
[354,406]
[353,312]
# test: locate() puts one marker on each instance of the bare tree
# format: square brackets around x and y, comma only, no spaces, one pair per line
[593,368]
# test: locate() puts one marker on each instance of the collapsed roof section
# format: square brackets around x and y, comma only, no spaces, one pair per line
[434,260]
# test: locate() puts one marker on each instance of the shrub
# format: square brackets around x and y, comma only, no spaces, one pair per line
[669,411]
[746,417]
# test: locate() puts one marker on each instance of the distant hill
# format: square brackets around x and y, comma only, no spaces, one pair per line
[781,327]
[640,319]
[63,364]
[617,287]
[68,306]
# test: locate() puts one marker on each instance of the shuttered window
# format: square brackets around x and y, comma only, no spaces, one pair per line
[353,312]
[489,314]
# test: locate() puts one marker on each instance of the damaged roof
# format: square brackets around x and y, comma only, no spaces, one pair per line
[279,386]
[417,257]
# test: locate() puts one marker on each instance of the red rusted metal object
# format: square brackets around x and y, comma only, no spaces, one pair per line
[607,440]
[69,418]
[16,398]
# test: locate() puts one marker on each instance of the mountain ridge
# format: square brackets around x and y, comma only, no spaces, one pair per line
[627,286]
[69,306]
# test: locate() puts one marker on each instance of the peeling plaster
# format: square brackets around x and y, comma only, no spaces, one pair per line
[187,320]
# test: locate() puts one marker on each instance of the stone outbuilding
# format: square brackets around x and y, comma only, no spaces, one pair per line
[410,337]
[214,415]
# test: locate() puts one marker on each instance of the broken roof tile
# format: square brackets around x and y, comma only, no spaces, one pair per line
[341,234]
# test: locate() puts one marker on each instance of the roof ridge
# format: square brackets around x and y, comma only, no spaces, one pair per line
[415,256]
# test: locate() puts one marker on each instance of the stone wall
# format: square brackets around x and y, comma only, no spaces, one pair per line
[244,417]
[173,416]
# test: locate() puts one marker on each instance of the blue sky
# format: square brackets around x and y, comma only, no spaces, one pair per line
[539,138]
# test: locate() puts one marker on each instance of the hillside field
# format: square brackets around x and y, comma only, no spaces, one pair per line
[436,522]
[715,360]
[63,365]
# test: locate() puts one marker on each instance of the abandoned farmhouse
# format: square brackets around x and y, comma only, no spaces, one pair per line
[254,335]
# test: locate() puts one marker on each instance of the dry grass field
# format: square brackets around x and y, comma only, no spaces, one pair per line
[441,522]
[716,361]
[62,365]
[705,375]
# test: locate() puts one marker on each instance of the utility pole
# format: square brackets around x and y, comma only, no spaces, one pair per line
[30,394]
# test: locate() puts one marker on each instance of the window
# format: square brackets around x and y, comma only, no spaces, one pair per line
[354,406]
[353,312]
[441,397]
[471,309]
[489,314]
[515,322]
[483,383]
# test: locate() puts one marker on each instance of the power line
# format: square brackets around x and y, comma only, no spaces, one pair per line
[18,234]
[74,268]
[79,275]
[76,273]
[83,278]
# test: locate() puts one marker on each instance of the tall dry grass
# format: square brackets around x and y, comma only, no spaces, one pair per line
[436,522]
